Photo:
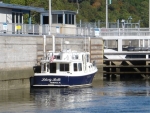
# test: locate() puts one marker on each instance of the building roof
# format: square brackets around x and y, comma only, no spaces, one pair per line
[60,12]
[21,7]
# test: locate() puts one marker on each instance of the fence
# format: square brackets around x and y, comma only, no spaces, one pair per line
[73,30]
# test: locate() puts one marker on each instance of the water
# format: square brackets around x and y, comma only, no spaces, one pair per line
[103,97]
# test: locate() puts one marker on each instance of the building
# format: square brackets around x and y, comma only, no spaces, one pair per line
[12,20]
[63,21]
[12,13]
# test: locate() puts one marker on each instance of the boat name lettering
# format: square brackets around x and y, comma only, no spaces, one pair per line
[51,80]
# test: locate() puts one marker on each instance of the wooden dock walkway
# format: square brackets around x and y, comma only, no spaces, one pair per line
[127,66]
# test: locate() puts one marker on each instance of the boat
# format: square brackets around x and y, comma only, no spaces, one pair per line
[67,68]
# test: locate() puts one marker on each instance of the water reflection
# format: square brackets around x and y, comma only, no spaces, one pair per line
[62,97]
[15,101]
[16,95]
[147,86]
[65,97]
[106,96]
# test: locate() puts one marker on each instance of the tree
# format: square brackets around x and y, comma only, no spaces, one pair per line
[94,10]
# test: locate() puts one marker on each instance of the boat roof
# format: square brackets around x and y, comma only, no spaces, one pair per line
[60,61]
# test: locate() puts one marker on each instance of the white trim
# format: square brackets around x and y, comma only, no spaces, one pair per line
[51,85]
[66,74]
[70,86]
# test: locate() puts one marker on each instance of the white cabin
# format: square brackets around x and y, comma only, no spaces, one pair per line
[67,61]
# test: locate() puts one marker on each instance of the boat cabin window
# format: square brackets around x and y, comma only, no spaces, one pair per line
[52,67]
[57,56]
[80,66]
[43,67]
[75,57]
[48,67]
[77,66]
[64,67]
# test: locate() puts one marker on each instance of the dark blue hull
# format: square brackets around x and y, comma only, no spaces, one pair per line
[62,81]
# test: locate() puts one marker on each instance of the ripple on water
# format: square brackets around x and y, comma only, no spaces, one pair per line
[109,96]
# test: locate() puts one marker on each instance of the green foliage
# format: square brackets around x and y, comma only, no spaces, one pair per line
[20,2]
[94,10]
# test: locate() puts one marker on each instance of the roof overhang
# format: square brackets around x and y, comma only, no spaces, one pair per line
[59,12]
[21,7]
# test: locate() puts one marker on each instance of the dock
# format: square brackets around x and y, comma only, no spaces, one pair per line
[128,66]
[131,63]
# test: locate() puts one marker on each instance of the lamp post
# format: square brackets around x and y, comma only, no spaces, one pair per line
[106,14]
[49,17]
[149,22]
[130,18]
[149,13]
[78,6]
[123,23]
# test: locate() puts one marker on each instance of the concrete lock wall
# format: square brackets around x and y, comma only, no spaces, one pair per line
[20,53]
[17,57]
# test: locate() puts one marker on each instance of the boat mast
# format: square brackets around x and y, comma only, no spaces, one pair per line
[44,65]
[44,46]
[85,39]
[53,37]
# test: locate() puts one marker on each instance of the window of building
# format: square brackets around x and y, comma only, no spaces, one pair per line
[54,18]
[13,17]
[45,19]
[16,17]
[60,18]
[66,19]
[64,67]
[72,19]
[20,17]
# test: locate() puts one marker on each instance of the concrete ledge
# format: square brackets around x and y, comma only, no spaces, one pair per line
[16,74]
[15,79]
[14,84]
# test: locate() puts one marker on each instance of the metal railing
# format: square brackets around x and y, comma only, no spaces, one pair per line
[73,30]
